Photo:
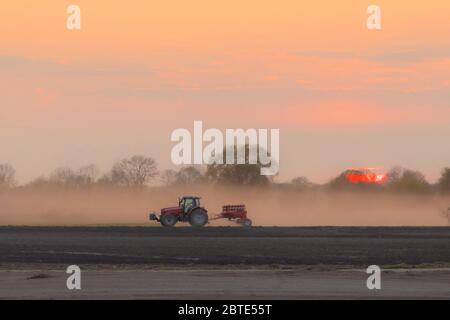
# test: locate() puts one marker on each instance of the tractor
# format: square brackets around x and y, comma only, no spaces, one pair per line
[190,210]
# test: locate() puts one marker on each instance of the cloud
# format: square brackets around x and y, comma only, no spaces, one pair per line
[294,90]
[45,96]
[350,114]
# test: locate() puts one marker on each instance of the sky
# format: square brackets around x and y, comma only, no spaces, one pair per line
[342,95]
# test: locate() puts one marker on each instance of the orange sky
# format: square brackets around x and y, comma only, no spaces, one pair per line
[139,69]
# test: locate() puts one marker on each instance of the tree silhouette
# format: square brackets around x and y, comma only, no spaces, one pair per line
[444,180]
[188,175]
[237,174]
[134,172]
[409,181]
[7,176]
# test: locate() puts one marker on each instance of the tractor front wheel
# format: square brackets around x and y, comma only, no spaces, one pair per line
[168,220]
[198,218]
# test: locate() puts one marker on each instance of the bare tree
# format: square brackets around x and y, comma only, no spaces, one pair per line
[133,172]
[188,175]
[168,177]
[67,177]
[7,175]
[444,182]
[238,174]
[62,176]
[395,174]
[402,179]
[88,174]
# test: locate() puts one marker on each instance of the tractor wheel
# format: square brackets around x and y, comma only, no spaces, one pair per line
[198,218]
[247,223]
[168,220]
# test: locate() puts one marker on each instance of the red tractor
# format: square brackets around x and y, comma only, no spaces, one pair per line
[190,210]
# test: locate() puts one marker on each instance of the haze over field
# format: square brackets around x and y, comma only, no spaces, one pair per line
[265,207]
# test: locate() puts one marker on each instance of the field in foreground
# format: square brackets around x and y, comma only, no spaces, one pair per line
[224,262]
[226,284]
[348,246]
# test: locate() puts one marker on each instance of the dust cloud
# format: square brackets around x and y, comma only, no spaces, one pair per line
[266,207]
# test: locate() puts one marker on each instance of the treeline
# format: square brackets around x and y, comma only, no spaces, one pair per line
[399,179]
[140,171]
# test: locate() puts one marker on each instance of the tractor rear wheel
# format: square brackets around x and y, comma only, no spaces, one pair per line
[198,217]
[168,220]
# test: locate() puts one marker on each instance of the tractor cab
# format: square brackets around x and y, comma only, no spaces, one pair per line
[187,203]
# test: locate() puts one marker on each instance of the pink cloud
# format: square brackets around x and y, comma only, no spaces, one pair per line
[45,96]
[357,114]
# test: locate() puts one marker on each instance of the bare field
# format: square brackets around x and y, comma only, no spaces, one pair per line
[224,262]
[225,284]
[336,246]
